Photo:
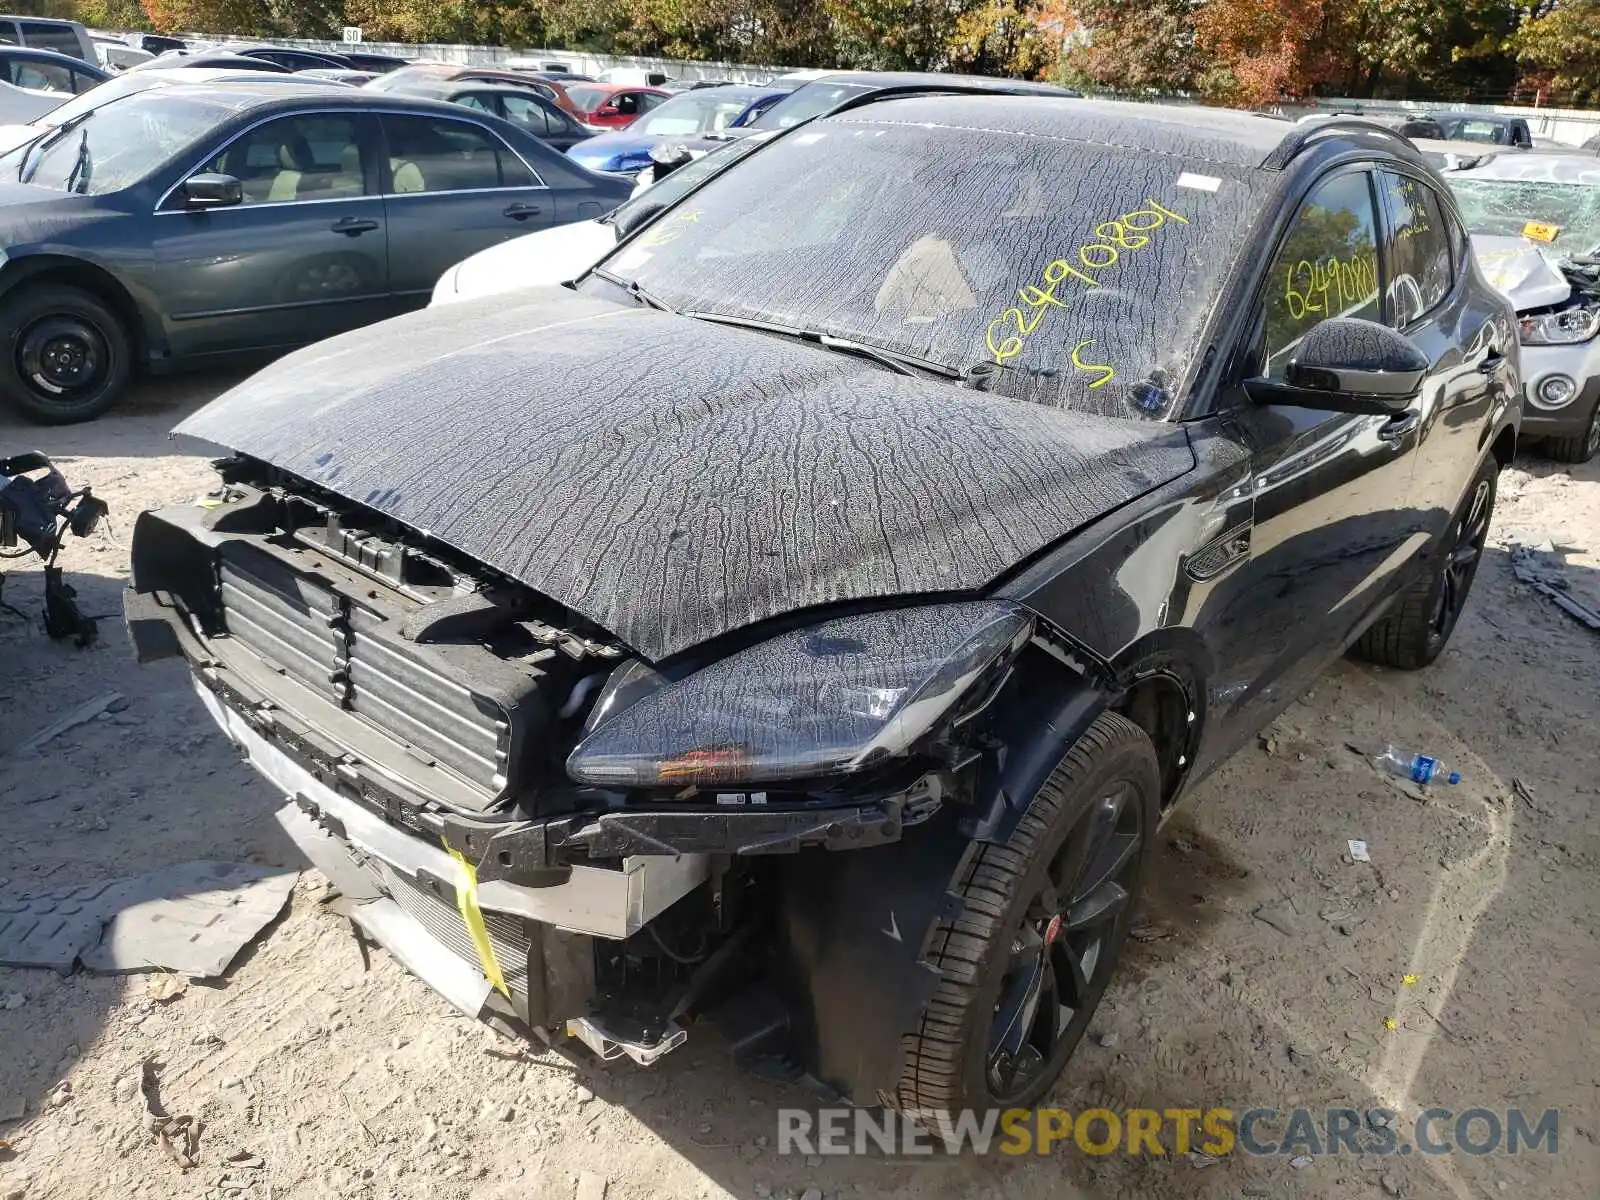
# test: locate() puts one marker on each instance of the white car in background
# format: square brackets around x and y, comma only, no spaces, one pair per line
[1535,224]
[555,256]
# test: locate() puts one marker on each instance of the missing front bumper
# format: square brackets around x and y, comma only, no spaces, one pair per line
[404,893]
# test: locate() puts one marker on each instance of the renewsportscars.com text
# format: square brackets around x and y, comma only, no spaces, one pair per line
[1211,1131]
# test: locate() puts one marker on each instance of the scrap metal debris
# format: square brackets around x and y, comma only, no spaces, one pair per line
[178,1135]
[1542,568]
[81,715]
[192,918]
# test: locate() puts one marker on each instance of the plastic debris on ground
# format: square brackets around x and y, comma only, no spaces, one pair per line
[1543,569]
[192,918]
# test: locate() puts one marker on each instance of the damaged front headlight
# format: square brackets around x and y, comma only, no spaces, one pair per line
[1566,328]
[828,699]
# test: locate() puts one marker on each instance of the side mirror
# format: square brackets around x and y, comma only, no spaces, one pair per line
[212,191]
[1346,364]
[668,157]
[635,217]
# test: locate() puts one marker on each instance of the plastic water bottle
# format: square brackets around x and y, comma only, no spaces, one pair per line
[1419,768]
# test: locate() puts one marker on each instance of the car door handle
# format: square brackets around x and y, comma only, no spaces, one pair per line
[1397,426]
[1491,363]
[520,211]
[354,226]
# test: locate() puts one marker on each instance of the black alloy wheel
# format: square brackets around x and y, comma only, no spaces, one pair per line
[1469,534]
[1044,917]
[1418,625]
[1059,962]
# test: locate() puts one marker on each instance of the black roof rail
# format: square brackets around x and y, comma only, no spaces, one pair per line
[956,88]
[1303,135]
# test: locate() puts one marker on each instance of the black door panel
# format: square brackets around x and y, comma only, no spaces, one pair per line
[1431,301]
[1332,529]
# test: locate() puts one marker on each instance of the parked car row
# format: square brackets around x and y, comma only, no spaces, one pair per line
[1533,217]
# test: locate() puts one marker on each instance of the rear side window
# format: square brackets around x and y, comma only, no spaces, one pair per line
[63,39]
[1326,267]
[1418,249]
[530,114]
[430,154]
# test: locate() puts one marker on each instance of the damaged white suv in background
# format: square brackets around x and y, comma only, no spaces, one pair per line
[1535,225]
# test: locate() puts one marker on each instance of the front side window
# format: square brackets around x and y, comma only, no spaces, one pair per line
[1068,273]
[475,100]
[433,154]
[1418,248]
[40,75]
[626,103]
[1326,267]
[295,158]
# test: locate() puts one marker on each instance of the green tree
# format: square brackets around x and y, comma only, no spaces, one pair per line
[1559,51]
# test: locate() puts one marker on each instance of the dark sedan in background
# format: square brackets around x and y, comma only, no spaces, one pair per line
[186,224]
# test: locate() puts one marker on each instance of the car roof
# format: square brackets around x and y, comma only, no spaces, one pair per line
[929,79]
[449,87]
[1220,135]
[1456,113]
[599,85]
[1545,166]
[9,51]
[737,91]
[249,95]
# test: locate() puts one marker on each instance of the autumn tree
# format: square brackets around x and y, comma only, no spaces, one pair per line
[1559,49]
[1261,51]
[1130,46]
[245,17]
[1019,38]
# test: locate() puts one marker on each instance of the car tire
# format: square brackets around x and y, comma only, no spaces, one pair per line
[1416,630]
[1580,447]
[67,356]
[1026,929]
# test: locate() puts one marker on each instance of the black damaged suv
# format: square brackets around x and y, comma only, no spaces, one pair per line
[804,621]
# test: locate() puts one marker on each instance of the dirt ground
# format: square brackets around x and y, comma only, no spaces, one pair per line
[334,1078]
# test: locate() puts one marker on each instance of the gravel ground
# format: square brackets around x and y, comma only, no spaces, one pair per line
[1272,971]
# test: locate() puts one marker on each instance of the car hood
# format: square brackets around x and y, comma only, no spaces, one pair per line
[1521,270]
[541,259]
[672,480]
[12,136]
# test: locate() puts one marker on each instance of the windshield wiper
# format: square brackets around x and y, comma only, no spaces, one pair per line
[897,361]
[40,144]
[635,289]
[78,177]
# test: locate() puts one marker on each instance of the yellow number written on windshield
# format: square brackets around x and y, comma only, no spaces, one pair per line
[1128,234]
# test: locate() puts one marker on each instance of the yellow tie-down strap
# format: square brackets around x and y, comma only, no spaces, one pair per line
[467,905]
